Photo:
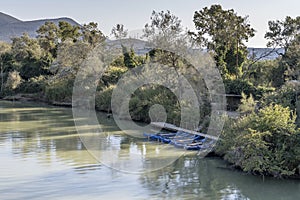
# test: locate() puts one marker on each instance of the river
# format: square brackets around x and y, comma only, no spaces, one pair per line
[42,157]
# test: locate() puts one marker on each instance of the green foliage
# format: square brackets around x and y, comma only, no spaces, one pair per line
[103,99]
[129,57]
[34,85]
[163,23]
[237,86]
[30,58]
[5,58]
[282,33]
[285,96]
[147,96]
[112,75]
[48,37]
[291,60]
[247,104]
[227,32]
[60,90]
[265,143]
[12,83]
[263,73]
[68,31]
[286,34]
[92,34]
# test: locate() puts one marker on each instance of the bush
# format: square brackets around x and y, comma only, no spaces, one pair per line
[112,75]
[266,143]
[147,96]
[60,90]
[12,83]
[247,104]
[238,87]
[285,96]
[34,85]
[103,99]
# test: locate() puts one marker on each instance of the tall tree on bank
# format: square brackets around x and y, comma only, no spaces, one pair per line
[281,34]
[286,34]
[223,32]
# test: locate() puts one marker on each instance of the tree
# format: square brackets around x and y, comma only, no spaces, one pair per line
[48,36]
[286,34]
[4,49]
[223,32]
[283,33]
[164,26]
[291,60]
[165,30]
[67,31]
[92,34]
[119,32]
[31,60]
[129,57]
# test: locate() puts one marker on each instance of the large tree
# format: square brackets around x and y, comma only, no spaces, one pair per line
[283,33]
[30,59]
[224,33]
[286,34]
[48,36]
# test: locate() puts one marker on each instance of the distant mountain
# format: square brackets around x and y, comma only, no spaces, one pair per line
[142,47]
[11,27]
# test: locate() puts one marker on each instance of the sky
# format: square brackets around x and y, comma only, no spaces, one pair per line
[134,14]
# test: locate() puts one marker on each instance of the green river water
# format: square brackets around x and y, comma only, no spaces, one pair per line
[42,157]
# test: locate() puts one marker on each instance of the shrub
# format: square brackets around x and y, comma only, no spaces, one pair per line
[12,83]
[60,90]
[247,104]
[34,85]
[285,96]
[238,87]
[266,143]
[103,99]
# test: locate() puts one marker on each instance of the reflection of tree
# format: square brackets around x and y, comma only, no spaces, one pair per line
[48,133]
[191,177]
[188,177]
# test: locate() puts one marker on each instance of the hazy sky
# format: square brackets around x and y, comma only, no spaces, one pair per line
[135,13]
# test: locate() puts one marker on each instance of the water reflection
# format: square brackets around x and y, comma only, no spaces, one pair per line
[40,148]
[195,178]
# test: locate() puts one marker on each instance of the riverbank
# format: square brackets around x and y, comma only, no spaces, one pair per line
[22,97]
[37,98]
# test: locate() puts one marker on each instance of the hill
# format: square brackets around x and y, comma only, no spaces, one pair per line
[12,27]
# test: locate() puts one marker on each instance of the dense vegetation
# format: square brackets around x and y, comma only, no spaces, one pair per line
[264,140]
